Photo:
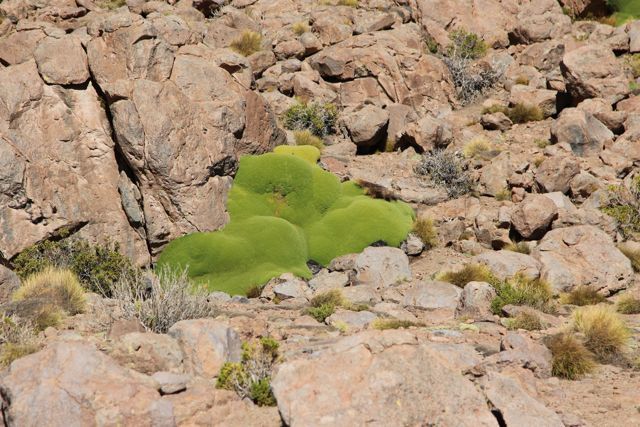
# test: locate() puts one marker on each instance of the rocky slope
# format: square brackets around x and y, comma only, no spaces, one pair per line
[125,121]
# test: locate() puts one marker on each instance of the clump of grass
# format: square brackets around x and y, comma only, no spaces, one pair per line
[255,291]
[384,324]
[633,255]
[389,145]
[350,3]
[519,113]
[469,273]
[628,305]
[605,333]
[582,295]
[475,147]
[248,43]
[305,137]
[251,378]
[542,143]
[425,229]
[525,320]
[571,359]
[624,206]
[504,194]
[634,64]
[17,339]
[299,28]
[520,247]
[523,290]
[522,80]
[111,4]
[318,119]
[324,304]
[466,45]
[447,171]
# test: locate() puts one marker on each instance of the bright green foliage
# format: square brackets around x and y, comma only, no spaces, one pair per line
[319,119]
[466,45]
[284,212]
[305,152]
[626,10]
[523,290]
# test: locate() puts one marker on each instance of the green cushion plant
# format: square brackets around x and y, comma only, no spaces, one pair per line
[285,210]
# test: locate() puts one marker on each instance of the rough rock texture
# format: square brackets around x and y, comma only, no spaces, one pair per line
[506,264]
[381,267]
[533,215]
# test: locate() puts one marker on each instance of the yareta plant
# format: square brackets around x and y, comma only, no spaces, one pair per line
[285,210]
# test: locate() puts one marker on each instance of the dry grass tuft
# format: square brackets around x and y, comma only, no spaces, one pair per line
[582,295]
[299,28]
[469,273]
[629,305]
[571,359]
[425,229]
[632,254]
[54,287]
[605,333]
[476,147]
[520,247]
[384,324]
[527,321]
[305,137]
[248,43]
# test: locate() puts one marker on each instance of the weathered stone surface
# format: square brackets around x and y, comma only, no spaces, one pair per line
[506,264]
[582,131]
[533,216]
[62,61]
[9,282]
[206,344]
[351,320]
[149,352]
[475,301]
[72,383]
[366,127]
[18,47]
[556,172]
[582,255]
[388,378]
[382,266]
[520,351]
[432,295]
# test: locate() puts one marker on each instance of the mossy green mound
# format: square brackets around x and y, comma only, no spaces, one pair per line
[285,211]
[625,10]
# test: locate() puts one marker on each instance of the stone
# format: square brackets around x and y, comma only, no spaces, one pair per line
[72,383]
[532,217]
[412,245]
[18,47]
[326,280]
[62,61]
[121,327]
[496,121]
[9,282]
[582,255]
[149,352]
[475,301]
[426,134]
[582,131]
[367,126]
[556,172]
[381,267]
[506,264]
[388,377]
[432,295]
[206,345]
[171,383]
[352,320]
[518,350]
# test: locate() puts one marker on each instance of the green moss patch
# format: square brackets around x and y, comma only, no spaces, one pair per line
[285,210]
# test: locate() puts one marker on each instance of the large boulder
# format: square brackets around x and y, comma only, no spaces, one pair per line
[506,264]
[73,384]
[62,61]
[475,301]
[386,378]
[582,255]
[366,126]
[533,216]
[555,173]
[382,266]
[582,131]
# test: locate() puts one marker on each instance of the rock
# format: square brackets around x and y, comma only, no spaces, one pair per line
[326,280]
[546,319]
[388,377]
[413,245]
[556,172]
[514,404]
[475,301]
[532,97]
[18,47]
[591,71]
[634,37]
[9,282]
[537,28]
[352,320]
[380,267]
[121,327]
[521,351]
[426,134]
[582,255]
[206,345]
[506,264]
[533,216]
[62,61]
[72,383]
[432,295]
[583,132]
[366,127]
[285,287]
[171,383]
[584,185]
[149,352]
[496,121]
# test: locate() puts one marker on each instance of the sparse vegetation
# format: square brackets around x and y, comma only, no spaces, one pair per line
[466,45]
[476,147]
[324,304]
[169,298]
[251,377]
[384,324]
[605,333]
[305,137]
[17,339]
[519,113]
[582,295]
[318,119]
[523,290]
[60,288]
[97,267]
[350,3]
[522,80]
[425,229]
[504,194]
[542,143]
[248,43]
[634,64]
[299,28]
[571,359]
[520,247]
[525,320]
[629,305]
[623,205]
[446,170]
[469,273]
[632,254]
[112,4]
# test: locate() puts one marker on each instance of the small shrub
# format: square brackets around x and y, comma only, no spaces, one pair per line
[633,255]
[247,44]
[384,324]
[425,229]
[520,247]
[582,295]
[255,291]
[447,171]
[470,80]
[523,290]
[299,28]
[504,194]
[475,147]
[466,45]
[522,80]
[624,206]
[542,143]
[54,287]
[321,312]
[605,333]
[523,113]
[527,321]
[319,119]
[170,299]
[350,3]
[17,339]
[469,273]
[97,267]
[305,137]
[634,64]
[629,305]
[431,44]
[251,378]
[389,145]
[496,108]
[324,304]
[571,359]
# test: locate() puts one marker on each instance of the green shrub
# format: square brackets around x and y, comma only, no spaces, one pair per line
[324,304]
[425,229]
[582,295]
[318,119]
[284,212]
[469,273]
[629,305]
[571,359]
[625,10]
[247,44]
[525,320]
[605,333]
[504,194]
[384,324]
[466,45]
[623,205]
[305,137]
[112,4]
[98,267]
[523,290]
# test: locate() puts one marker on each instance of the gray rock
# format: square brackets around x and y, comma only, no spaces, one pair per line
[353,320]
[9,282]
[475,301]
[171,383]
[432,295]
[413,245]
[506,264]
[532,217]
[380,267]
[555,173]
[582,131]
[148,352]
